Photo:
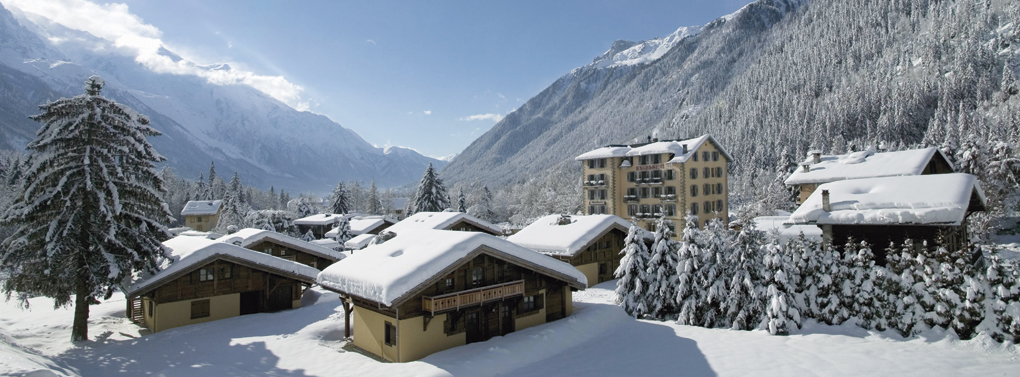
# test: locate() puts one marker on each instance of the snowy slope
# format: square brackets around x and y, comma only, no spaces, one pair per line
[237,126]
[599,339]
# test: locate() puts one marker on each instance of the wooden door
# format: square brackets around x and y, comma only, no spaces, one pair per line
[553,303]
[281,294]
[472,325]
[250,302]
[506,317]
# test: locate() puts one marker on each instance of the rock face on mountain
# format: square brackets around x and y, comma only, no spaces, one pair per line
[623,95]
[237,126]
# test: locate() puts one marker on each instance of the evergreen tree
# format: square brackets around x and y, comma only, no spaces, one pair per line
[1002,278]
[781,312]
[744,308]
[662,271]
[374,203]
[867,299]
[689,296]
[304,209]
[431,195]
[343,230]
[339,203]
[88,211]
[713,274]
[212,193]
[308,236]
[632,287]
[832,308]
[461,207]
[274,201]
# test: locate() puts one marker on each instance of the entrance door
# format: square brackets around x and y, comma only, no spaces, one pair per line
[506,316]
[281,294]
[250,302]
[473,327]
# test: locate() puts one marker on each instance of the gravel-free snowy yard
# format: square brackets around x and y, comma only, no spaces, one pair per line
[598,340]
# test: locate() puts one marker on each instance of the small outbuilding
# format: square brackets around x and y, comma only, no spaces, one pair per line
[205,280]
[202,215]
[425,291]
[590,243]
[932,208]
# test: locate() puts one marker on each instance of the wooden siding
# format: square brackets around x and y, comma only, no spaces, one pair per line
[879,236]
[468,227]
[605,251]
[243,279]
[289,253]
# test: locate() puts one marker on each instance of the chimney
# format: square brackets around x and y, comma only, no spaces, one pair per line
[563,220]
[649,139]
[685,148]
[805,167]
[825,201]
[816,157]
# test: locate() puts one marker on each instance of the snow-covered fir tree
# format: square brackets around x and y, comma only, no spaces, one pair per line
[339,203]
[689,296]
[213,192]
[782,314]
[744,307]
[632,287]
[1002,278]
[868,299]
[308,236]
[88,211]
[375,206]
[431,195]
[304,209]
[832,308]
[714,273]
[805,259]
[461,201]
[343,230]
[662,271]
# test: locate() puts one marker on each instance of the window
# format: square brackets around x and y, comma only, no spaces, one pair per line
[199,308]
[631,210]
[715,156]
[206,274]
[599,209]
[718,188]
[719,205]
[657,209]
[591,164]
[694,156]
[670,190]
[670,210]
[391,334]
[602,269]
[694,173]
[602,163]
[151,306]
[656,158]
[602,194]
[199,219]
[643,160]
[268,250]
[646,209]
[704,156]
[656,192]
[657,175]
[707,190]
[631,176]
[694,208]
[669,175]
[718,172]
[529,303]
[708,207]
[694,190]
[708,173]
[591,194]
[644,192]
[644,175]
[591,177]
[449,283]
[477,275]
[225,271]
[602,178]
[632,191]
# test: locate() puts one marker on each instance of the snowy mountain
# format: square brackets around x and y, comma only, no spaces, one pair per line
[240,128]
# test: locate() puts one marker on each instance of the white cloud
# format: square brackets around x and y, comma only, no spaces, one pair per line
[370,41]
[492,117]
[129,33]
[427,112]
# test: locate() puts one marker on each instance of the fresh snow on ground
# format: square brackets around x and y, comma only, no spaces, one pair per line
[598,340]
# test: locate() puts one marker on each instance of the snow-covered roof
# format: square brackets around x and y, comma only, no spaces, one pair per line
[319,219]
[394,270]
[441,221]
[778,224]
[361,225]
[676,147]
[863,164]
[359,242]
[201,207]
[938,199]
[188,252]
[546,236]
[250,236]
[329,244]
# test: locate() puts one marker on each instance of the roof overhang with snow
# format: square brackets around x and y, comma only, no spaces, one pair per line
[319,219]
[547,236]
[393,272]
[442,221]
[865,164]
[675,147]
[249,236]
[938,199]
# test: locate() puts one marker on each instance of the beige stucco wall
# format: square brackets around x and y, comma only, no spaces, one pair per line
[590,271]
[209,222]
[149,320]
[415,344]
[178,313]
[369,333]
[532,320]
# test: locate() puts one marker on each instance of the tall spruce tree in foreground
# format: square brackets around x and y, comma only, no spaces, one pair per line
[632,287]
[88,211]
[431,195]
[662,271]
[339,203]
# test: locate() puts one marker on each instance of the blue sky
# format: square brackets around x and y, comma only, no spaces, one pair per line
[407,73]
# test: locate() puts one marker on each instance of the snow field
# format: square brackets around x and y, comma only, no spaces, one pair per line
[598,340]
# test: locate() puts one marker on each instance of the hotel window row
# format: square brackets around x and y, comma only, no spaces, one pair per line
[667,192]
[650,175]
[634,210]
[707,189]
[710,206]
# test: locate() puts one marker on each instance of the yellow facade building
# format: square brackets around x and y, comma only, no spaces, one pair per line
[642,182]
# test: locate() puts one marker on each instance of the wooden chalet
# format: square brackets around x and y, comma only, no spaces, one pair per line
[457,221]
[284,246]
[365,225]
[819,169]
[932,208]
[591,243]
[210,280]
[319,224]
[425,291]
[202,215]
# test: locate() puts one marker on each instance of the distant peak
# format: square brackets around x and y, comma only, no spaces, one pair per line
[170,54]
[618,46]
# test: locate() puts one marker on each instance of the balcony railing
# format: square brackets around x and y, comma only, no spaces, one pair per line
[471,297]
[594,183]
[630,198]
[668,197]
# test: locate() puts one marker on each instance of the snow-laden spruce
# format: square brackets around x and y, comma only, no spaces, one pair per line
[339,203]
[88,211]
[632,287]
[431,195]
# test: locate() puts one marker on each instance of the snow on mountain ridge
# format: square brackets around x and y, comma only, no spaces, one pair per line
[645,51]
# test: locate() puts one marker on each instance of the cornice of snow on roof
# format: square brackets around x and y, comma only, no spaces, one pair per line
[441,221]
[675,147]
[319,219]
[189,252]
[201,207]
[394,271]
[864,164]
[944,200]
[250,236]
[546,235]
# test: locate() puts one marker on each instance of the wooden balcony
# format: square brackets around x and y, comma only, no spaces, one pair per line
[471,297]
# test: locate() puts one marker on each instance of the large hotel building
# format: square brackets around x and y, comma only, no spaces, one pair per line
[643,181]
